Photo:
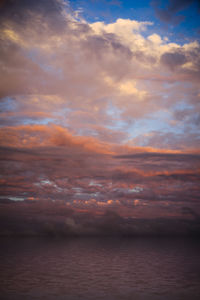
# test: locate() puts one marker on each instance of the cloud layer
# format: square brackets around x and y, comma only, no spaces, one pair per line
[100,116]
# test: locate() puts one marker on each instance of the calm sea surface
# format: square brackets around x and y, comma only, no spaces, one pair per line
[104,268]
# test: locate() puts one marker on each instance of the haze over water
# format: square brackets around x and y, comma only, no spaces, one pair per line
[99,268]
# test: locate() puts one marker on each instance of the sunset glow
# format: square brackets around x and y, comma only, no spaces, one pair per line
[100,111]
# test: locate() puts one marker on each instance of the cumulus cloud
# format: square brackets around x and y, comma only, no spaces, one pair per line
[85,69]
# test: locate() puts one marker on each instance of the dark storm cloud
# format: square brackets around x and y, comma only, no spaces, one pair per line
[20,12]
[27,19]
[168,14]
[137,177]
[97,45]
[186,176]
[26,27]
[55,219]
[173,60]
[161,156]
[158,161]
[178,57]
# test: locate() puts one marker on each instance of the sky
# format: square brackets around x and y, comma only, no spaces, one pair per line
[100,115]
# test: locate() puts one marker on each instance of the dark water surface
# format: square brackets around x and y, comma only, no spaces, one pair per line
[99,268]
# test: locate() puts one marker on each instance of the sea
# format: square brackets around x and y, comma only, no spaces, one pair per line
[99,268]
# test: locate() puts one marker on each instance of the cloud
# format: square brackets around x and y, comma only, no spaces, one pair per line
[94,114]
[48,162]
[110,65]
[51,219]
[185,59]
[169,13]
[173,59]
[162,156]
[30,136]
[169,140]
[21,12]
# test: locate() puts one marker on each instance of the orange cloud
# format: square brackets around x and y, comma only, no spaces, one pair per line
[29,136]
